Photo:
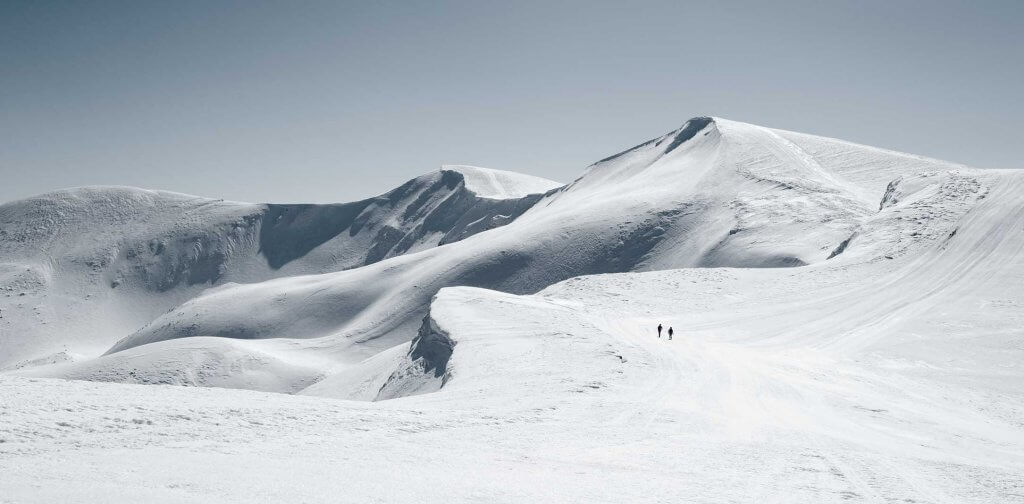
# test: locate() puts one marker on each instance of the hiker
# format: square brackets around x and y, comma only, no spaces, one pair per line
[659,330]
[670,334]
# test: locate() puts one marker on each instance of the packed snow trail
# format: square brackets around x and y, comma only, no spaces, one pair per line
[861,428]
[870,433]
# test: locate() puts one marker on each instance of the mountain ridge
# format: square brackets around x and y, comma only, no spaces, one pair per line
[140,252]
[712,193]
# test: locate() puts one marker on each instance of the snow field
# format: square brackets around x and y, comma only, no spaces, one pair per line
[522,363]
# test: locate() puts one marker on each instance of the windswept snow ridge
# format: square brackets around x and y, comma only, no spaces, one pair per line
[500,184]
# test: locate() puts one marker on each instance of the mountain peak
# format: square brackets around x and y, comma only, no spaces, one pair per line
[688,131]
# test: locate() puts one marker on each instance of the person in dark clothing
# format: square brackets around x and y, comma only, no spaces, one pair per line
[669,333]
[659,330]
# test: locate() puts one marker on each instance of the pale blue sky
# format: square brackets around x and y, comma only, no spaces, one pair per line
[334,101]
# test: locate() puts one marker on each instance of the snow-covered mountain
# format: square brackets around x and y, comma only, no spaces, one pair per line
[847,327]
[714,193]
[82,267]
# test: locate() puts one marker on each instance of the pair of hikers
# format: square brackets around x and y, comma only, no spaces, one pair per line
[669,332]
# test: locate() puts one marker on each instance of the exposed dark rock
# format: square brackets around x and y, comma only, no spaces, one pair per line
[432,347]
[842,247]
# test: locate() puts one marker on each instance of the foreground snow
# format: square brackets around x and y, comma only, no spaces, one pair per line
[563,396]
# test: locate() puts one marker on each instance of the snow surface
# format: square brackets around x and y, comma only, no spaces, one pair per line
[848,328]
[501,184]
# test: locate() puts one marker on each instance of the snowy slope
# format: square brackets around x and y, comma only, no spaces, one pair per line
[713,193]
[859,379]
[83,267]
[848,328]
[500,184]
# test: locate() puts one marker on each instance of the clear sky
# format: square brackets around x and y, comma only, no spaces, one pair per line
[334,101]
